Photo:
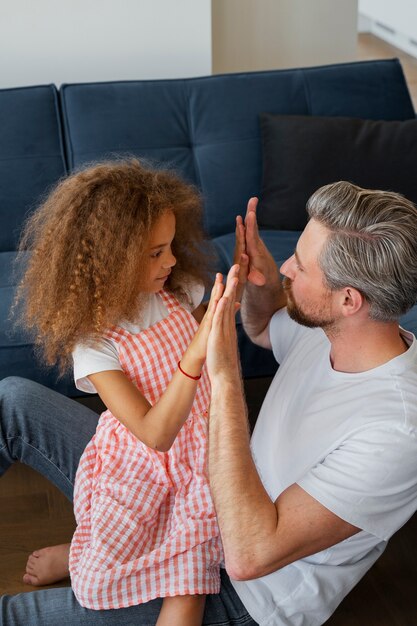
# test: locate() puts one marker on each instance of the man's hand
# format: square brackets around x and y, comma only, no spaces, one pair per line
[259,274]
[222,354]
[262,267]
[240,257]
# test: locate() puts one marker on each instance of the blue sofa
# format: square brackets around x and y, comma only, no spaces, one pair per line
[206,128]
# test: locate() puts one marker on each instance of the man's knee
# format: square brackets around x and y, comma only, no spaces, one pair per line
[13,387]
[19,396]
[10,386]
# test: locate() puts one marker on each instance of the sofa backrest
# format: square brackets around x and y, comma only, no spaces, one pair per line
[208,128]
[31,154]
[31,160]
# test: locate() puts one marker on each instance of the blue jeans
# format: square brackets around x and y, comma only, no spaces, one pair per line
[49,432]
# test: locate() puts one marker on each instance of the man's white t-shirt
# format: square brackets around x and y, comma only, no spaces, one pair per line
[103,356]
[350,441]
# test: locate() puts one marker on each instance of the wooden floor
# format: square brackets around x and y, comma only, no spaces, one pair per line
[35,514]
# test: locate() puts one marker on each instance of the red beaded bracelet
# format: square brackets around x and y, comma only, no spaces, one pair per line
[188,375]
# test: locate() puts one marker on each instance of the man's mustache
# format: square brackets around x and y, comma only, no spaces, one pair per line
[286,283]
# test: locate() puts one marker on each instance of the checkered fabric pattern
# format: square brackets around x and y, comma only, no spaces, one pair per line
[146,525]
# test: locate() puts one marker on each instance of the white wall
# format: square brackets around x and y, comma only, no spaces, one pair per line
[58,41]
[268,34]
[393,20]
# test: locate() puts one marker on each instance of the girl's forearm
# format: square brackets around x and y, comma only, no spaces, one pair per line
[161,424]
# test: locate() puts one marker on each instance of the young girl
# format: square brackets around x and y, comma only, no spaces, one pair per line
[115,281]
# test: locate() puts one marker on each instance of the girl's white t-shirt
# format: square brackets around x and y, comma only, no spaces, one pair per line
[103,356]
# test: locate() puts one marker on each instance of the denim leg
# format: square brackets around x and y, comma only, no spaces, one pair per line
[226,608]
[43,429]
[52,607]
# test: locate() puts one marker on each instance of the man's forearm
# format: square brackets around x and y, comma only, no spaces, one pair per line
[238,493]
[258,306]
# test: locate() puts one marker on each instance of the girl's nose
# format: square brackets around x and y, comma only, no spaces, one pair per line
[170,262]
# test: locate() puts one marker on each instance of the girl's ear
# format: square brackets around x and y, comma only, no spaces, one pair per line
[352,302]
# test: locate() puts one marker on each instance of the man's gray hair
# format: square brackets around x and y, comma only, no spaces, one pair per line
[372,245]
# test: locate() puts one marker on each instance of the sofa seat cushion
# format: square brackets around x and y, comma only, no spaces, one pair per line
[17,356]
[302,153]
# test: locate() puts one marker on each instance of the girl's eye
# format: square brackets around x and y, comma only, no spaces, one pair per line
[155,255]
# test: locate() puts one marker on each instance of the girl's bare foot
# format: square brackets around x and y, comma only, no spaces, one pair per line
[47,566]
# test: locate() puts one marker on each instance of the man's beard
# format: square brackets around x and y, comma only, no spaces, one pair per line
[311,320]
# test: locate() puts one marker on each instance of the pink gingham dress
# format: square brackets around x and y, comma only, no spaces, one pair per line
[146,525]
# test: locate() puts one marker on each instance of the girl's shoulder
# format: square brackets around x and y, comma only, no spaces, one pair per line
[91,358]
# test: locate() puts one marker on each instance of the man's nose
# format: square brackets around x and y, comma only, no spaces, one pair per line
[286,267]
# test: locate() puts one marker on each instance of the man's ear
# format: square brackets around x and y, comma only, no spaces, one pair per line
[352,301]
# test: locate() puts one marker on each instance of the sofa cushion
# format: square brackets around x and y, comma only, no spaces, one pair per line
[224,121]
[31,154]
[147,119]
[409,320]
[302,153]
[369,89]
[208,128]
[204,128]
[17,356]
[32,160]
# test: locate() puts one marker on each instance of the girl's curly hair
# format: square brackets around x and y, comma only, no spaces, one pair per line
[88,252]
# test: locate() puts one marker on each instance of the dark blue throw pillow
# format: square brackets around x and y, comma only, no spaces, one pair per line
[301,153]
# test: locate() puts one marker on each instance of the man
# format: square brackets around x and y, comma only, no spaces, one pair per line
[331,472]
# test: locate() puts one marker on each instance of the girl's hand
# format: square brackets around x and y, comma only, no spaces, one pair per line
[198,346]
